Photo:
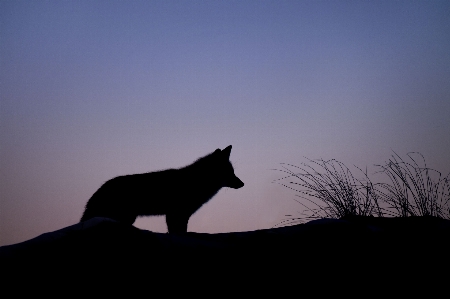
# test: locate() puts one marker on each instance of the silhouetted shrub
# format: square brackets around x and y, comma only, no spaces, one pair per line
[330,190]
[415,190]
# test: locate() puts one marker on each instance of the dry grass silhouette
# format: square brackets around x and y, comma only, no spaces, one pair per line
[329,189]
[415,190]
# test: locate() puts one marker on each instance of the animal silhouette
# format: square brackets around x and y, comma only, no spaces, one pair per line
[176,193]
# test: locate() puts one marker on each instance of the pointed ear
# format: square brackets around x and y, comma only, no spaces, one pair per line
[226,151]
[217,151]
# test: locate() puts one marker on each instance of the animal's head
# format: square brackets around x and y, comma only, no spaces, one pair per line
[226,173]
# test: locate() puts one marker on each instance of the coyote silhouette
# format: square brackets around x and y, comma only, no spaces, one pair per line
[176,193]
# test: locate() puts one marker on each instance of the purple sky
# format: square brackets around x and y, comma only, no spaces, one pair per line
[91,90]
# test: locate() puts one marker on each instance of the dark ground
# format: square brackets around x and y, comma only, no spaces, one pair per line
[356,254]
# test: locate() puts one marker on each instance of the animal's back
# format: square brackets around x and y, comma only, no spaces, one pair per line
[124,198]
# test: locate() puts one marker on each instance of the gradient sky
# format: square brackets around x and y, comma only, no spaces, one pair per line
[95,89]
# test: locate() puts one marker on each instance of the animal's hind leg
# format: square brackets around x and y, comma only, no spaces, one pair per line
[177,223]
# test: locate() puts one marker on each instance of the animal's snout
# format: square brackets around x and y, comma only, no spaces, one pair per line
[235,183]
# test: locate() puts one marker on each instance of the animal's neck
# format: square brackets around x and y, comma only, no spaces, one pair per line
[203,183]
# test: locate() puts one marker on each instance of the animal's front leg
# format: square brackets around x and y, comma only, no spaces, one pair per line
[177,223]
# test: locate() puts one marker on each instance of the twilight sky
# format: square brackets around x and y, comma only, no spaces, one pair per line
[91,90]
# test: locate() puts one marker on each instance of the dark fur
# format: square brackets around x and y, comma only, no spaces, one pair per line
[176,193]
